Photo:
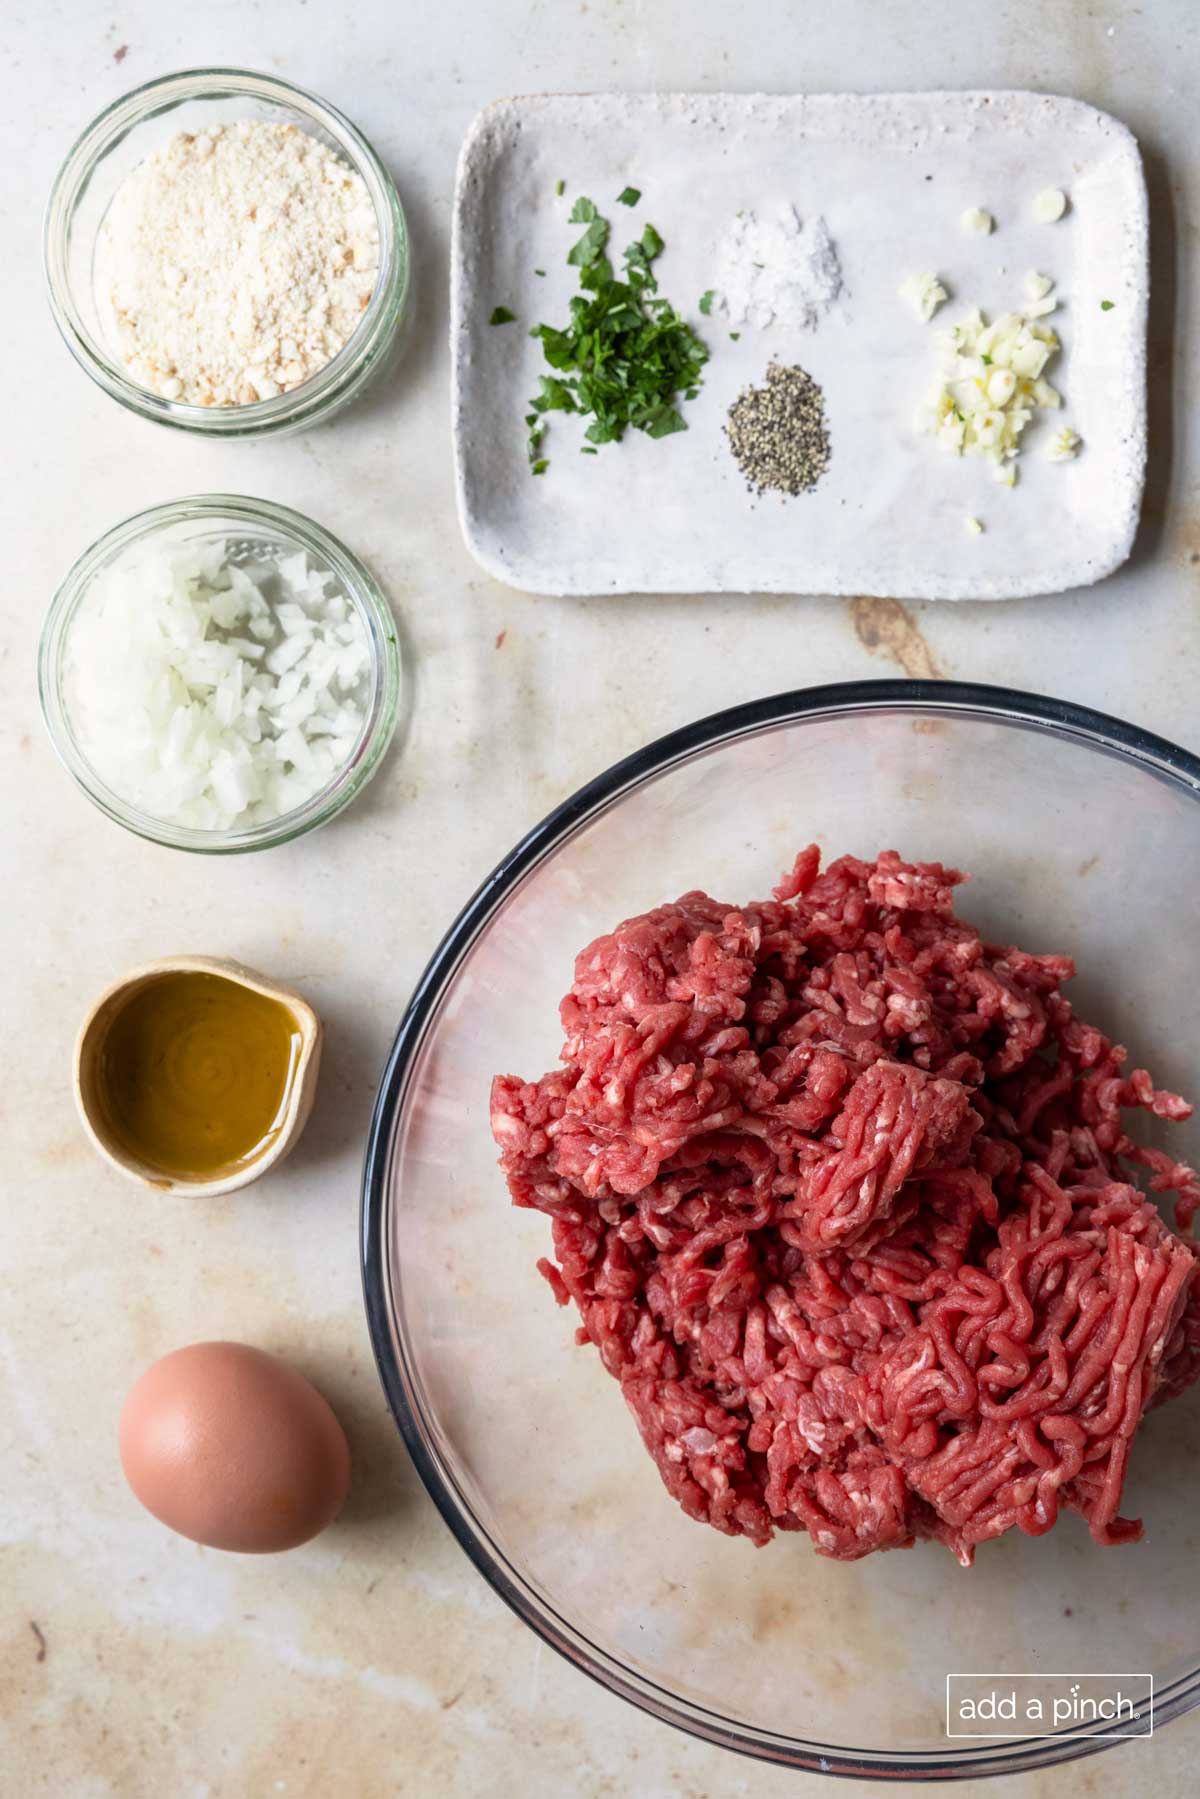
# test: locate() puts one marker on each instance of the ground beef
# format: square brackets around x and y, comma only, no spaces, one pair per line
[846,1203]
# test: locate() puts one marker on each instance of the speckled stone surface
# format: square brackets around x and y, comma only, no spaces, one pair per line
[375,1663]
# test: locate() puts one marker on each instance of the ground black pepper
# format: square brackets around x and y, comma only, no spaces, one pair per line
[778,432]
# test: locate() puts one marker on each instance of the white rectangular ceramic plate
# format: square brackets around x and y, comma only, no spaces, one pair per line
[890,174]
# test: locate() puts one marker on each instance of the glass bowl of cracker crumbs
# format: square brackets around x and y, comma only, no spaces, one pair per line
[226,254]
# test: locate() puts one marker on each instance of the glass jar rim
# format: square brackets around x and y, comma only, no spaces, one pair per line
[322,390]
[364,594]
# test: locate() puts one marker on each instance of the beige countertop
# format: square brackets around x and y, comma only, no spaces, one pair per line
[375,1662]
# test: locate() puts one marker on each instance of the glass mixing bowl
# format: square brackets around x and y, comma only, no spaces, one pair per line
[1083,835]
[251,531]
[123,135]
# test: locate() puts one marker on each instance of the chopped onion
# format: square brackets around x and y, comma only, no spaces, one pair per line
[216,693]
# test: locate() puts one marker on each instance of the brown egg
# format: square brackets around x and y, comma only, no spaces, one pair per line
[231,1447]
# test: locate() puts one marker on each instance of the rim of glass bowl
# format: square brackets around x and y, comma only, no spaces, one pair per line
[332,385]
[1109,736]
[360,585]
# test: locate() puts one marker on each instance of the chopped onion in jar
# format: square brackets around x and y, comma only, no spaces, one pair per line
[215,687]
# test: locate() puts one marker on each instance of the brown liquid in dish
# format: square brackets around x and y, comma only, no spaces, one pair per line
[196,1072]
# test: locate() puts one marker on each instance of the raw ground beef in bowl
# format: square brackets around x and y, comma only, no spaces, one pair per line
[848,1203]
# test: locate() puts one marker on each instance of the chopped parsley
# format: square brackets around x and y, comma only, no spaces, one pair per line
[539,271]
[501,316]
[733,336]
[537,430]
[625,356]
[706,300]
[629,196]
[590,248]
[1107,305]
[559,186]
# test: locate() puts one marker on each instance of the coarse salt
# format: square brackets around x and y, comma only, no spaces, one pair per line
[777,269]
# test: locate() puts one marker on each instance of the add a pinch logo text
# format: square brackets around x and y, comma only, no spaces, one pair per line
[1036,1705]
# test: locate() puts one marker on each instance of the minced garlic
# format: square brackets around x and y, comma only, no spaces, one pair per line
[992,384]
[924,294]
[1049,205]
[1064,445]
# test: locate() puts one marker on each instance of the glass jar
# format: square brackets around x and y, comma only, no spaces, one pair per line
[108,151]
[258,524]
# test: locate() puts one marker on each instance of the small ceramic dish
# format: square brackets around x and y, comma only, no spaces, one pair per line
[301,1088]
[890,175]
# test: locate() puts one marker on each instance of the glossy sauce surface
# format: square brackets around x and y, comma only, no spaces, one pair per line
[196,1072]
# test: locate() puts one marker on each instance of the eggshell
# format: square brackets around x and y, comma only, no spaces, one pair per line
[229,1446]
